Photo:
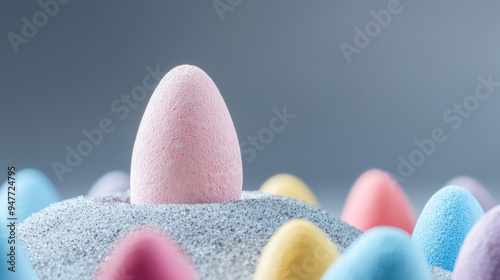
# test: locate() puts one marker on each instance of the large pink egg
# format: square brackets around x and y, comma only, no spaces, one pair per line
[186,150]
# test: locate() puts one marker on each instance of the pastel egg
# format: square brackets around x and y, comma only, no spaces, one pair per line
[289,185]
[481,194]
[186,149]
[33,192]
[479,257]
[376,199]
[297,250]
[111,182]
[146,253]
[382,253]
[444,223]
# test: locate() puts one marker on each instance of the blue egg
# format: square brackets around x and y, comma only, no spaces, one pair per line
[382,253]
[444,223]
[33,192]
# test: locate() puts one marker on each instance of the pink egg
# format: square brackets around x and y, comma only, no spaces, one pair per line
[376,199]
[146,253]
[186,150]
[111,182]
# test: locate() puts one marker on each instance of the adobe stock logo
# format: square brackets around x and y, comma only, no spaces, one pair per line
[223,6]
[362,37]
[30,28]
[453,117]
[266,135]
[121,109]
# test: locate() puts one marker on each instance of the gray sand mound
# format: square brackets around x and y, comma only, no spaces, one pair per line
[68,240]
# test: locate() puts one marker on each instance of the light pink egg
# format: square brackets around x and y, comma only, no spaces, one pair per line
[186,150]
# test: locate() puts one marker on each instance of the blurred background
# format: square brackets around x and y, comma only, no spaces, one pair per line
[362,87]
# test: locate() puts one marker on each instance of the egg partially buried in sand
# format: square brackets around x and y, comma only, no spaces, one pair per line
[297,250]
[376,199]
[289,185]
[186,149]
[382,253]
[146,253]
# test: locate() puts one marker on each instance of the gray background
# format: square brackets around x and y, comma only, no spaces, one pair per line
[262,55]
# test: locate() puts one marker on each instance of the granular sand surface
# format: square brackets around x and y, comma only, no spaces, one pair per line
[70,239]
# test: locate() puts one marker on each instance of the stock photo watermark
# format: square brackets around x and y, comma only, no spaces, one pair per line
[265,136]
[373,28]
[454,118]
[223,6]
[30,27]
[121,108]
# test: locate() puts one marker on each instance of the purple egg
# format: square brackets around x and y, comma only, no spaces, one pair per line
[111,182]
[479,257]
[481,194]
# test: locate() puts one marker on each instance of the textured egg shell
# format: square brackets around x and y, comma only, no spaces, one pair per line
[481,194]
[382,253]
[298,249]
[479,257]
[111,182]
[186,149]
[146,253]
[289,185]
[376,199]
[444,223]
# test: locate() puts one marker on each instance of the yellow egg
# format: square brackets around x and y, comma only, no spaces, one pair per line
[289,185]
[297,250]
